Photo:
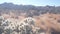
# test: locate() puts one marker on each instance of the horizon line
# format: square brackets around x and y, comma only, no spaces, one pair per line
[28,4]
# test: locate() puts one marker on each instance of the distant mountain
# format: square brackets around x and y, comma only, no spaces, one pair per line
[36,10]
[13,6]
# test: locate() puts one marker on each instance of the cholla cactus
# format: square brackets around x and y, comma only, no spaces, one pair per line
[4,25]
[1,27]
[29,20]
[24,27]
[1,20]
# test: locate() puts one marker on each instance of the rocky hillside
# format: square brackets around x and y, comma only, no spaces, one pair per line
[30,10]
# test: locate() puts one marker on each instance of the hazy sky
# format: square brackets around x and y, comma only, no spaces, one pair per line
[33,2]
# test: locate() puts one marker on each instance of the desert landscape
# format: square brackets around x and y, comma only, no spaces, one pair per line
[28,19]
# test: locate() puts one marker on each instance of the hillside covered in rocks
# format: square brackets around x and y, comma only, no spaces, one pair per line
[29,10]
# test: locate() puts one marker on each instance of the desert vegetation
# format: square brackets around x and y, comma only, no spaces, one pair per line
[28,19]
[46,24]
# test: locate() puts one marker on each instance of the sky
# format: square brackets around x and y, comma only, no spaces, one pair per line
[33,2]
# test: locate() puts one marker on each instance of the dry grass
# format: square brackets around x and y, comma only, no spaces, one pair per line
[47,22]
